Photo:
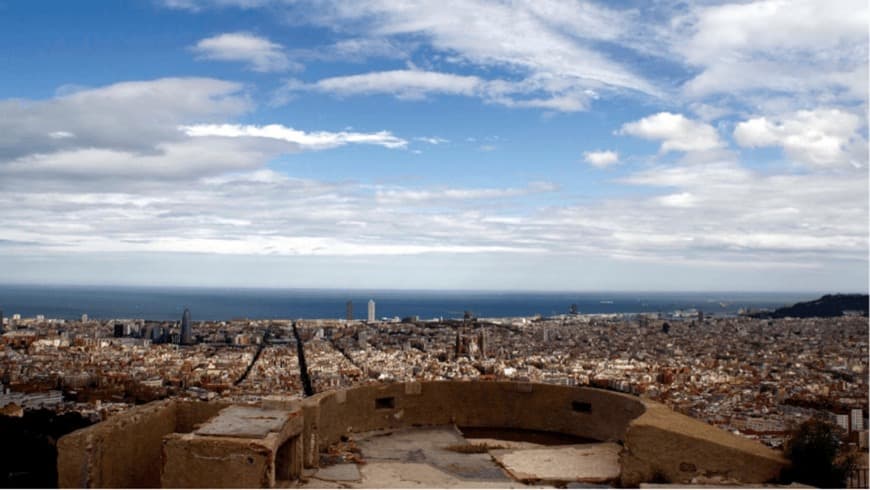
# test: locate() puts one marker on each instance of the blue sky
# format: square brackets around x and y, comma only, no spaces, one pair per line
[539,145]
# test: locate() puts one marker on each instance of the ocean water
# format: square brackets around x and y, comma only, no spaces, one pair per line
[164,303]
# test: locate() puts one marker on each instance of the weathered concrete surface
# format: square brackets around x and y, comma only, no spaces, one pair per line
[199,462]
[394,474]
[248,422]
[587,463]
[667,444]
[347,472]
[104,454]
[429,445]
[189,415]
[697,485]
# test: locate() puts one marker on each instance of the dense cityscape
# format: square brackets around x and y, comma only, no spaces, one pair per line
[754,377]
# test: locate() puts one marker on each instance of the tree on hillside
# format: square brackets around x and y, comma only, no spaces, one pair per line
[813,450]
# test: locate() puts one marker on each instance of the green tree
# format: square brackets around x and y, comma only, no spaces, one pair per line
[813,450]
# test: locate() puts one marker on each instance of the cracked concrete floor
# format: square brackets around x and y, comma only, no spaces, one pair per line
[418,458]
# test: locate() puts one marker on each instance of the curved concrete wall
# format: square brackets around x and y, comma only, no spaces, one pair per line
[125,451]
[585,412]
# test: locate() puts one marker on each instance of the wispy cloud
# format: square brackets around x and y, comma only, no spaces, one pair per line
[314,141]
[258,53]
[432,140]
[407,196]
[198,5]
[405,84]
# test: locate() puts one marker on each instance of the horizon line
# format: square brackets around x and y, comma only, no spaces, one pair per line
[426,290]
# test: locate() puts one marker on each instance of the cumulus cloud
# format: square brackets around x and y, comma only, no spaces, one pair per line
[130,133]
[676,132]
[126,116]
[258,53]
[780,45]
[602,158]
[822,137]
[312,141]
[185,159]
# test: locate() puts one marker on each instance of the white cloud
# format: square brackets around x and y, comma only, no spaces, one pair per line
[822,137]
[126,116]
[362,48]
[550,51]
[186,159]
[198,5]
[414,84]
[318,140]
[406,84]
[407,196]
[137,133]
[708,213]
[549,38]
[602,158]
[781,45]
[258,53]
[432,140]
[681,200]
[677,132]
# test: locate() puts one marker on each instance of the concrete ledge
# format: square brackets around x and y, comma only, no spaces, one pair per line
[667,444]
[241,447]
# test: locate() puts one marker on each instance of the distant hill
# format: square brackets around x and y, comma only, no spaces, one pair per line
[830,305]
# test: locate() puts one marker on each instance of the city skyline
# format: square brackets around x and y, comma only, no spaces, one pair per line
[559,146]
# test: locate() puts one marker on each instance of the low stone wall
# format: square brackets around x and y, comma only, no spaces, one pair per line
[125,451]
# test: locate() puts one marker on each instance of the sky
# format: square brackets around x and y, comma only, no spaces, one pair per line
[525,145]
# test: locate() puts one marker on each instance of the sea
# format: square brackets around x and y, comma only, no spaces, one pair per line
[168,303]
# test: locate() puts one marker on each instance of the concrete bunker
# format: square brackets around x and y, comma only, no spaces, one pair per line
[195,444]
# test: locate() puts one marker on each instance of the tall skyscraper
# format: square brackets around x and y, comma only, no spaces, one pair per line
[857,416]
[371,310]
[483,343]
[186,333]
[349,316]
[843,421]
